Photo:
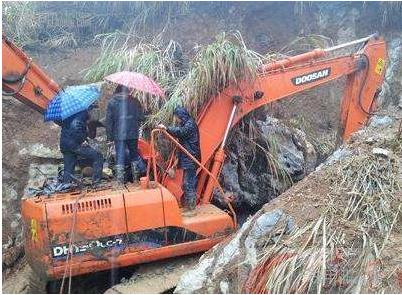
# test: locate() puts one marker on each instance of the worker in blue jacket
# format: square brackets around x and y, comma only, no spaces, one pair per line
[73,135]
[188,136]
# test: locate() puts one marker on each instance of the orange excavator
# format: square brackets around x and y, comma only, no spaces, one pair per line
[91,230]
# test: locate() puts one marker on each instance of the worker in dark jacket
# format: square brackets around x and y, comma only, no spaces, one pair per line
[188,136]
[123,117]
[73,134]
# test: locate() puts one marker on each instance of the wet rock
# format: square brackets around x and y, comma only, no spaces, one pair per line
[38,173]
[225,268]
[392,86]
[280,140]
[256,174]
[338,155]
[39,150]
[380,121]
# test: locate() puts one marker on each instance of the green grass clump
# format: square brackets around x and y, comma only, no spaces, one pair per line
[215,66]
[20,22]
[150,59]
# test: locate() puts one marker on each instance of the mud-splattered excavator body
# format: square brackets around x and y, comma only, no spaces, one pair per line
[105,228]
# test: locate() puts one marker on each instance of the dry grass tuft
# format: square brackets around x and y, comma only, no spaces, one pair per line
[340,252]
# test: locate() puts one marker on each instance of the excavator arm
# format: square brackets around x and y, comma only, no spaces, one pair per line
[24,80]
[364,71]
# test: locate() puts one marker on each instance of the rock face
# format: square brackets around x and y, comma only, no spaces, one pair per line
[392,88]
[214,273]
[258,170]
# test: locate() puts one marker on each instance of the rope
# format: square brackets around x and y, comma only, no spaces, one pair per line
[367,112]
[70,252]
[175,142]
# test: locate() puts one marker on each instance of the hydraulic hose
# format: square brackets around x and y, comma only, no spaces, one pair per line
[367,112]
[21,78]
[12,93]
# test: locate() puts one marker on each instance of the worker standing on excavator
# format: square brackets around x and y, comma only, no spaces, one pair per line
[123,117]
[73,134]
[188,135]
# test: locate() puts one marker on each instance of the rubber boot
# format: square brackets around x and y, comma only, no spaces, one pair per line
[135,172]
[96,185]
[119,177]
[189,210]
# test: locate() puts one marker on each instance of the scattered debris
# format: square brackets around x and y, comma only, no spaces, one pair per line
[382,152]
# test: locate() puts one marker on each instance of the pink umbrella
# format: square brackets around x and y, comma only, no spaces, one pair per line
[136,81]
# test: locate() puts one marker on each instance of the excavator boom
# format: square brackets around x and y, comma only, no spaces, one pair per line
[24,80]
[364,71]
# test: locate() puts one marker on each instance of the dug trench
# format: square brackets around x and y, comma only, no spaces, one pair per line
[286,141]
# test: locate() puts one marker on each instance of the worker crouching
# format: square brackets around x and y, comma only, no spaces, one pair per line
[123,117]
[73,135]
[188,136]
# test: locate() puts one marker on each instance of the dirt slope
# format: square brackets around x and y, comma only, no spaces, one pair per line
[227,267]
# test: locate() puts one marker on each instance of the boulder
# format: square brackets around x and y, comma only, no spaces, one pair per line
[382,152]
[380,121]
[258,170]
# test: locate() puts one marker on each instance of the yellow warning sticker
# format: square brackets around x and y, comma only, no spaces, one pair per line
[379,66]
[34,230]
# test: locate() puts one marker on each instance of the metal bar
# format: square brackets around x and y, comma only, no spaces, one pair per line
[187,153]
[349,43]
[229,125]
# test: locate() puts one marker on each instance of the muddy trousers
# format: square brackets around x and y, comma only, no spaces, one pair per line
[86,152]
[120,146]
[121,158]
[190,187]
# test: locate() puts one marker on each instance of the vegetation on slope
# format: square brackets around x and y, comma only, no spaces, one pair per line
[342,250]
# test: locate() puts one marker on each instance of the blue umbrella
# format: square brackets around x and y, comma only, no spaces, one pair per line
[71,101]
